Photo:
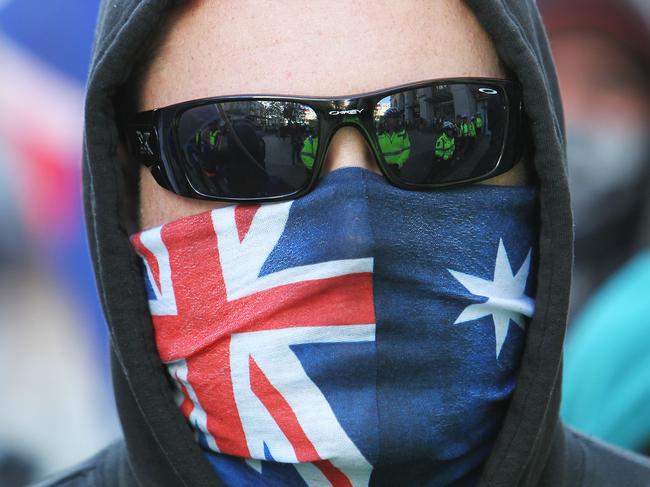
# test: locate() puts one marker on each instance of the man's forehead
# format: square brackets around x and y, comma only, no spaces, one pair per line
[320,48]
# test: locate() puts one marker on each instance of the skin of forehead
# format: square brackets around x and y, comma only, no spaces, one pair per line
[319,48]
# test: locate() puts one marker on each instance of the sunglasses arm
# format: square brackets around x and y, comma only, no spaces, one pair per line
[143,144]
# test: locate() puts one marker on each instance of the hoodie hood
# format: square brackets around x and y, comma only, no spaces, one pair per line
[161,448]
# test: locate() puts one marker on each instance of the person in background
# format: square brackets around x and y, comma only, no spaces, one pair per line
[602,52]
[609,397]
[478,123]
[462,130]
[308,152]
[394,142]
[446,143]
[471,128]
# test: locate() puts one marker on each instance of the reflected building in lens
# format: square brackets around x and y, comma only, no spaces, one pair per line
[428,108]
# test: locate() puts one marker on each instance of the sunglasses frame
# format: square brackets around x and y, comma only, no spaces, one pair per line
[151,136]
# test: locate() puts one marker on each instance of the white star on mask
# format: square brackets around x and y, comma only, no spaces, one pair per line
[505,293]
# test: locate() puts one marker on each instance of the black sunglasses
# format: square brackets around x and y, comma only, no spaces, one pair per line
[258,148]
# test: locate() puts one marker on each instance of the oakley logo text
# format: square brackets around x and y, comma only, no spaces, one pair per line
[347,112]
[143,140]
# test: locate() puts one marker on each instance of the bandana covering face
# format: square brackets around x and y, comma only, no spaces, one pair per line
[356,335]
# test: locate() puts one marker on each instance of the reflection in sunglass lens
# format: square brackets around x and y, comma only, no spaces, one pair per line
[441,133]
[248,149]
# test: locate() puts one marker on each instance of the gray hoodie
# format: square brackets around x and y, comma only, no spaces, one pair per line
[533,448]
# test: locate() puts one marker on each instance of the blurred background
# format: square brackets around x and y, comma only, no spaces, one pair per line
[57,405]
[602,55]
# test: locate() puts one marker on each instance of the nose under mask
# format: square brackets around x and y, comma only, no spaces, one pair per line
[356,332]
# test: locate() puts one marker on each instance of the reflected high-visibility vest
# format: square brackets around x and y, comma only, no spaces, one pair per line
[445,147]
[471,129]
[396,147]
[308,152]
[212,137]
[479,122]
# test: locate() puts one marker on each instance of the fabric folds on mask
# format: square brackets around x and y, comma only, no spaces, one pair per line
[357,333]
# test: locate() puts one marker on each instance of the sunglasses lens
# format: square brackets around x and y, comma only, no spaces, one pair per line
[443,133]
[248,149]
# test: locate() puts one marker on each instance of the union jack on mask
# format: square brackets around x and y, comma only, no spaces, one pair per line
[357,333]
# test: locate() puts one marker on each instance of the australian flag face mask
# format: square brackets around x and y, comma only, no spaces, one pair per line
[356,335]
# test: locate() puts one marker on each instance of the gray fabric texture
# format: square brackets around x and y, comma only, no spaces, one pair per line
[533,448]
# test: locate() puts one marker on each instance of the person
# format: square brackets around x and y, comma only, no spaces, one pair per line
[446,143]
[463,140]
[208,137]
[471,129]
[394,140]
[478,122]
[613,327]
[470,139]
[602,52]
[205,141]
[347,330]
[308,152]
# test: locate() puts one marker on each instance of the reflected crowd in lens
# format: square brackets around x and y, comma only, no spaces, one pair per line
[441,133]
[242,146]
[437,134]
